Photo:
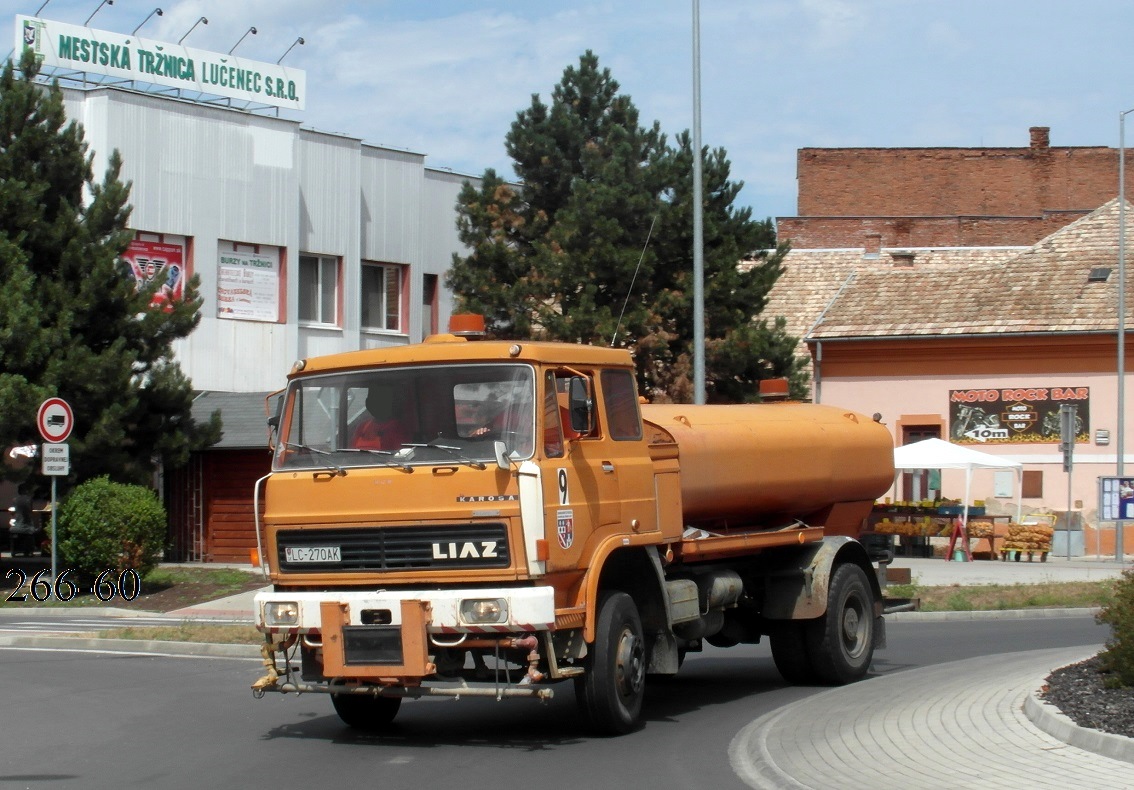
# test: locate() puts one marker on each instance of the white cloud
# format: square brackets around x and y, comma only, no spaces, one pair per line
[447,77]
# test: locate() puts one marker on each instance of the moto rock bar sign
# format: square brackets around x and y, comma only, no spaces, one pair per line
[1016,415]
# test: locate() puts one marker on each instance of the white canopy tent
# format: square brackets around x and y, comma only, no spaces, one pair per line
[939,454]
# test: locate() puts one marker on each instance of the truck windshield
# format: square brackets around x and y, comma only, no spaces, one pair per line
[408,416]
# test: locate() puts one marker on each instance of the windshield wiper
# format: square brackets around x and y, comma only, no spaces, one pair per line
[330,467]
[392,454]
[455,452]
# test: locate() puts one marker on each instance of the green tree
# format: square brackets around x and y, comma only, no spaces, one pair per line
[1118,613]
[595,243]
[105,525]
[72,323]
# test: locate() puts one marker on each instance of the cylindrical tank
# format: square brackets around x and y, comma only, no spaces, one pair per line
[785,460]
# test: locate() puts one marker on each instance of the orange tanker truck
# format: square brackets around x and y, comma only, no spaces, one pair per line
[459,518]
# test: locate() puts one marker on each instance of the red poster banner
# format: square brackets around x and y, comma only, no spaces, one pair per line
[155,260]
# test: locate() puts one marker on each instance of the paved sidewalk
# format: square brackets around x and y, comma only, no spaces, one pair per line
[940,572]
[960,724]
[239,607]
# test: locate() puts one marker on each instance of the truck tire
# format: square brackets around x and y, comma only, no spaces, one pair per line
[791,654]
[610,693]
[365,711]
[841,642]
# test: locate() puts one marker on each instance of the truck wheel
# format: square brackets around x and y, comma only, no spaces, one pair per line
[364,711]
[841,643]
[791,654]
[610,692]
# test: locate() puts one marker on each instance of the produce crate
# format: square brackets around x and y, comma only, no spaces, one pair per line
[1030,539]
[981,529]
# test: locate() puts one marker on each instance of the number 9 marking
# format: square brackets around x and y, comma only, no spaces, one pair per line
[564,498]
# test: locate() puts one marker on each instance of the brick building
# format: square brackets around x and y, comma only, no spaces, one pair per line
[946,197]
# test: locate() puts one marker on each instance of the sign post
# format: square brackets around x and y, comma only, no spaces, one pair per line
[55,421]
[1116,503]
[1067,434]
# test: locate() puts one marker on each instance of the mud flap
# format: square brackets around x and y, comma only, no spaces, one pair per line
[879,632]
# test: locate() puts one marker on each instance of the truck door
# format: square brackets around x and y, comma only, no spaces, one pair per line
[584,483]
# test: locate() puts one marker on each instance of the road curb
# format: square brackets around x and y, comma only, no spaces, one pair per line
[1056,724]
[994,614]
[89,611]
[134,646]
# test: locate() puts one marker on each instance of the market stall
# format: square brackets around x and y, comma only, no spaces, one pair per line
[939,454]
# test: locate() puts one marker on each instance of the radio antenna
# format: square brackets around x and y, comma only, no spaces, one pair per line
[630,290]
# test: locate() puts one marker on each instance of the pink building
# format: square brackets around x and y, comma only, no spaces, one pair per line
[978,346]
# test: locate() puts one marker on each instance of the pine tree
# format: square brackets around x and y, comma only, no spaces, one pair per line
[72,323]
[594,245]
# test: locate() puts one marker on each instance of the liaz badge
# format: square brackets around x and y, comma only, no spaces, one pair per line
[565,528]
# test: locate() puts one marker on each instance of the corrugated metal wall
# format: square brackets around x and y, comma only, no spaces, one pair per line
[217,175]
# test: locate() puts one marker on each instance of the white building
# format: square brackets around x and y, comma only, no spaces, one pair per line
[305,243]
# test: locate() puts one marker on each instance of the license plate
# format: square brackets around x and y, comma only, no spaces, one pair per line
[313,554]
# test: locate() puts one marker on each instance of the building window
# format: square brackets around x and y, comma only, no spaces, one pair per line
[382,296]
[1031,487]
[318,289]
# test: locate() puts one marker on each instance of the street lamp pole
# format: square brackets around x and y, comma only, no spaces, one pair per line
[698,227]
[1119,538]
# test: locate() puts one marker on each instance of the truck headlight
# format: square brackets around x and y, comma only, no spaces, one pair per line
[484,611]
[281,613]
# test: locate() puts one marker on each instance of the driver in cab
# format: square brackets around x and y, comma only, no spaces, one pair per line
[380,428]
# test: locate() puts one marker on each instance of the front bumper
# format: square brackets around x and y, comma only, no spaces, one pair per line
[387,640]
[529,609]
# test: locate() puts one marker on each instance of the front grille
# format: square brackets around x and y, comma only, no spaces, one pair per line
[439,547]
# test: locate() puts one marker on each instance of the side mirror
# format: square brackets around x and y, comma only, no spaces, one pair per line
[580,406]
[501,451]
[274,419]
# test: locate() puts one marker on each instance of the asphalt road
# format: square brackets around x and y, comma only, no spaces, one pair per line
[88,719]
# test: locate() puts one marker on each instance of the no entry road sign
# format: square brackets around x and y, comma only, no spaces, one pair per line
[55,420]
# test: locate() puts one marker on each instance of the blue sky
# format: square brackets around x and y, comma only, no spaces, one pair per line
[446,78]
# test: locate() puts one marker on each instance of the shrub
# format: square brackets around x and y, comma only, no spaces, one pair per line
[105,525]
[1118,613]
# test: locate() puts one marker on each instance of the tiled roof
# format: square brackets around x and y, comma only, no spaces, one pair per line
[1043,288]
[813,278]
